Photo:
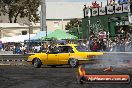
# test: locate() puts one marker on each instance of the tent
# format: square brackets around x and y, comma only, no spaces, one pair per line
[39,35]
[59,35]
[19,38]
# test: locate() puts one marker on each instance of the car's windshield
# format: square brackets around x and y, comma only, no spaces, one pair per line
[82,48]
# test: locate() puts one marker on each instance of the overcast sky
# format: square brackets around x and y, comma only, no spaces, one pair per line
[74,0]
[104,2]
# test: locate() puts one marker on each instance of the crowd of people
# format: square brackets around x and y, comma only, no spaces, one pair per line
[22,48]
[113,44]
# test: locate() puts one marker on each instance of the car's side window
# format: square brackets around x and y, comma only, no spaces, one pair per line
[70,50]
[55,50]
[66,49]
[61,49]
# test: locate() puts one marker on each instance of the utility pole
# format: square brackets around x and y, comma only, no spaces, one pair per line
[1,32]
[43,17]
[62,21]
[78,30]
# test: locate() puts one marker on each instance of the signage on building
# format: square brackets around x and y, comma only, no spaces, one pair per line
[125,8]
[110,10]
[112,2]
[94,12]
[102,11]
[95,5]
[122,1]
[121,23]
[118,8]
[102,34]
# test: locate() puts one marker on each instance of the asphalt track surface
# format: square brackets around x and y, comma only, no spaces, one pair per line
[61,77]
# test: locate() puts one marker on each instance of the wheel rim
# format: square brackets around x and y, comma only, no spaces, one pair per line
[36,63]
[73,62]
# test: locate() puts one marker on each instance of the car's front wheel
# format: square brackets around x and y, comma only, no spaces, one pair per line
[37,63]
[73,62]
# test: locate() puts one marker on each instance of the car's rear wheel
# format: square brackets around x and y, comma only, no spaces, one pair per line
[73,62]
[37,63]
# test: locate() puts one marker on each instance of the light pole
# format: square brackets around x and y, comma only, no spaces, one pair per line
[29,39]
[78,29]
[98,26]
[89,27]
[30,26]
[43,17]
[1,32]
[108,39]
[62,21]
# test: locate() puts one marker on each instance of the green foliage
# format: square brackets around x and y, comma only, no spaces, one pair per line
[73,23]
[20,8]
[74,27]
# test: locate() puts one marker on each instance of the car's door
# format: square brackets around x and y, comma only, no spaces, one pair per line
[52,57]
[65,53]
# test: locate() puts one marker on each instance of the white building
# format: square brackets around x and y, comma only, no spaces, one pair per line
[57,16]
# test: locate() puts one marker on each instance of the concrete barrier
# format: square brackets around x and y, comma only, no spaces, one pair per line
[13,59]
[6,52]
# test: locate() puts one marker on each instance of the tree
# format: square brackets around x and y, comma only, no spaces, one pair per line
[20,8]
[74,26]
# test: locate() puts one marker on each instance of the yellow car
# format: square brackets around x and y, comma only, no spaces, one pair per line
[70,54]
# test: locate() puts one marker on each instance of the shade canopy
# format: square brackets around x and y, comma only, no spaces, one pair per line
[39,35]
[59,35]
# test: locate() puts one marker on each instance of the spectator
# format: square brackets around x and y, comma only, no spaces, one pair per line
[17,50]
[95,46]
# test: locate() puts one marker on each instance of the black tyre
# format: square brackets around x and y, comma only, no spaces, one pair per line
[37,63]
[73,62]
